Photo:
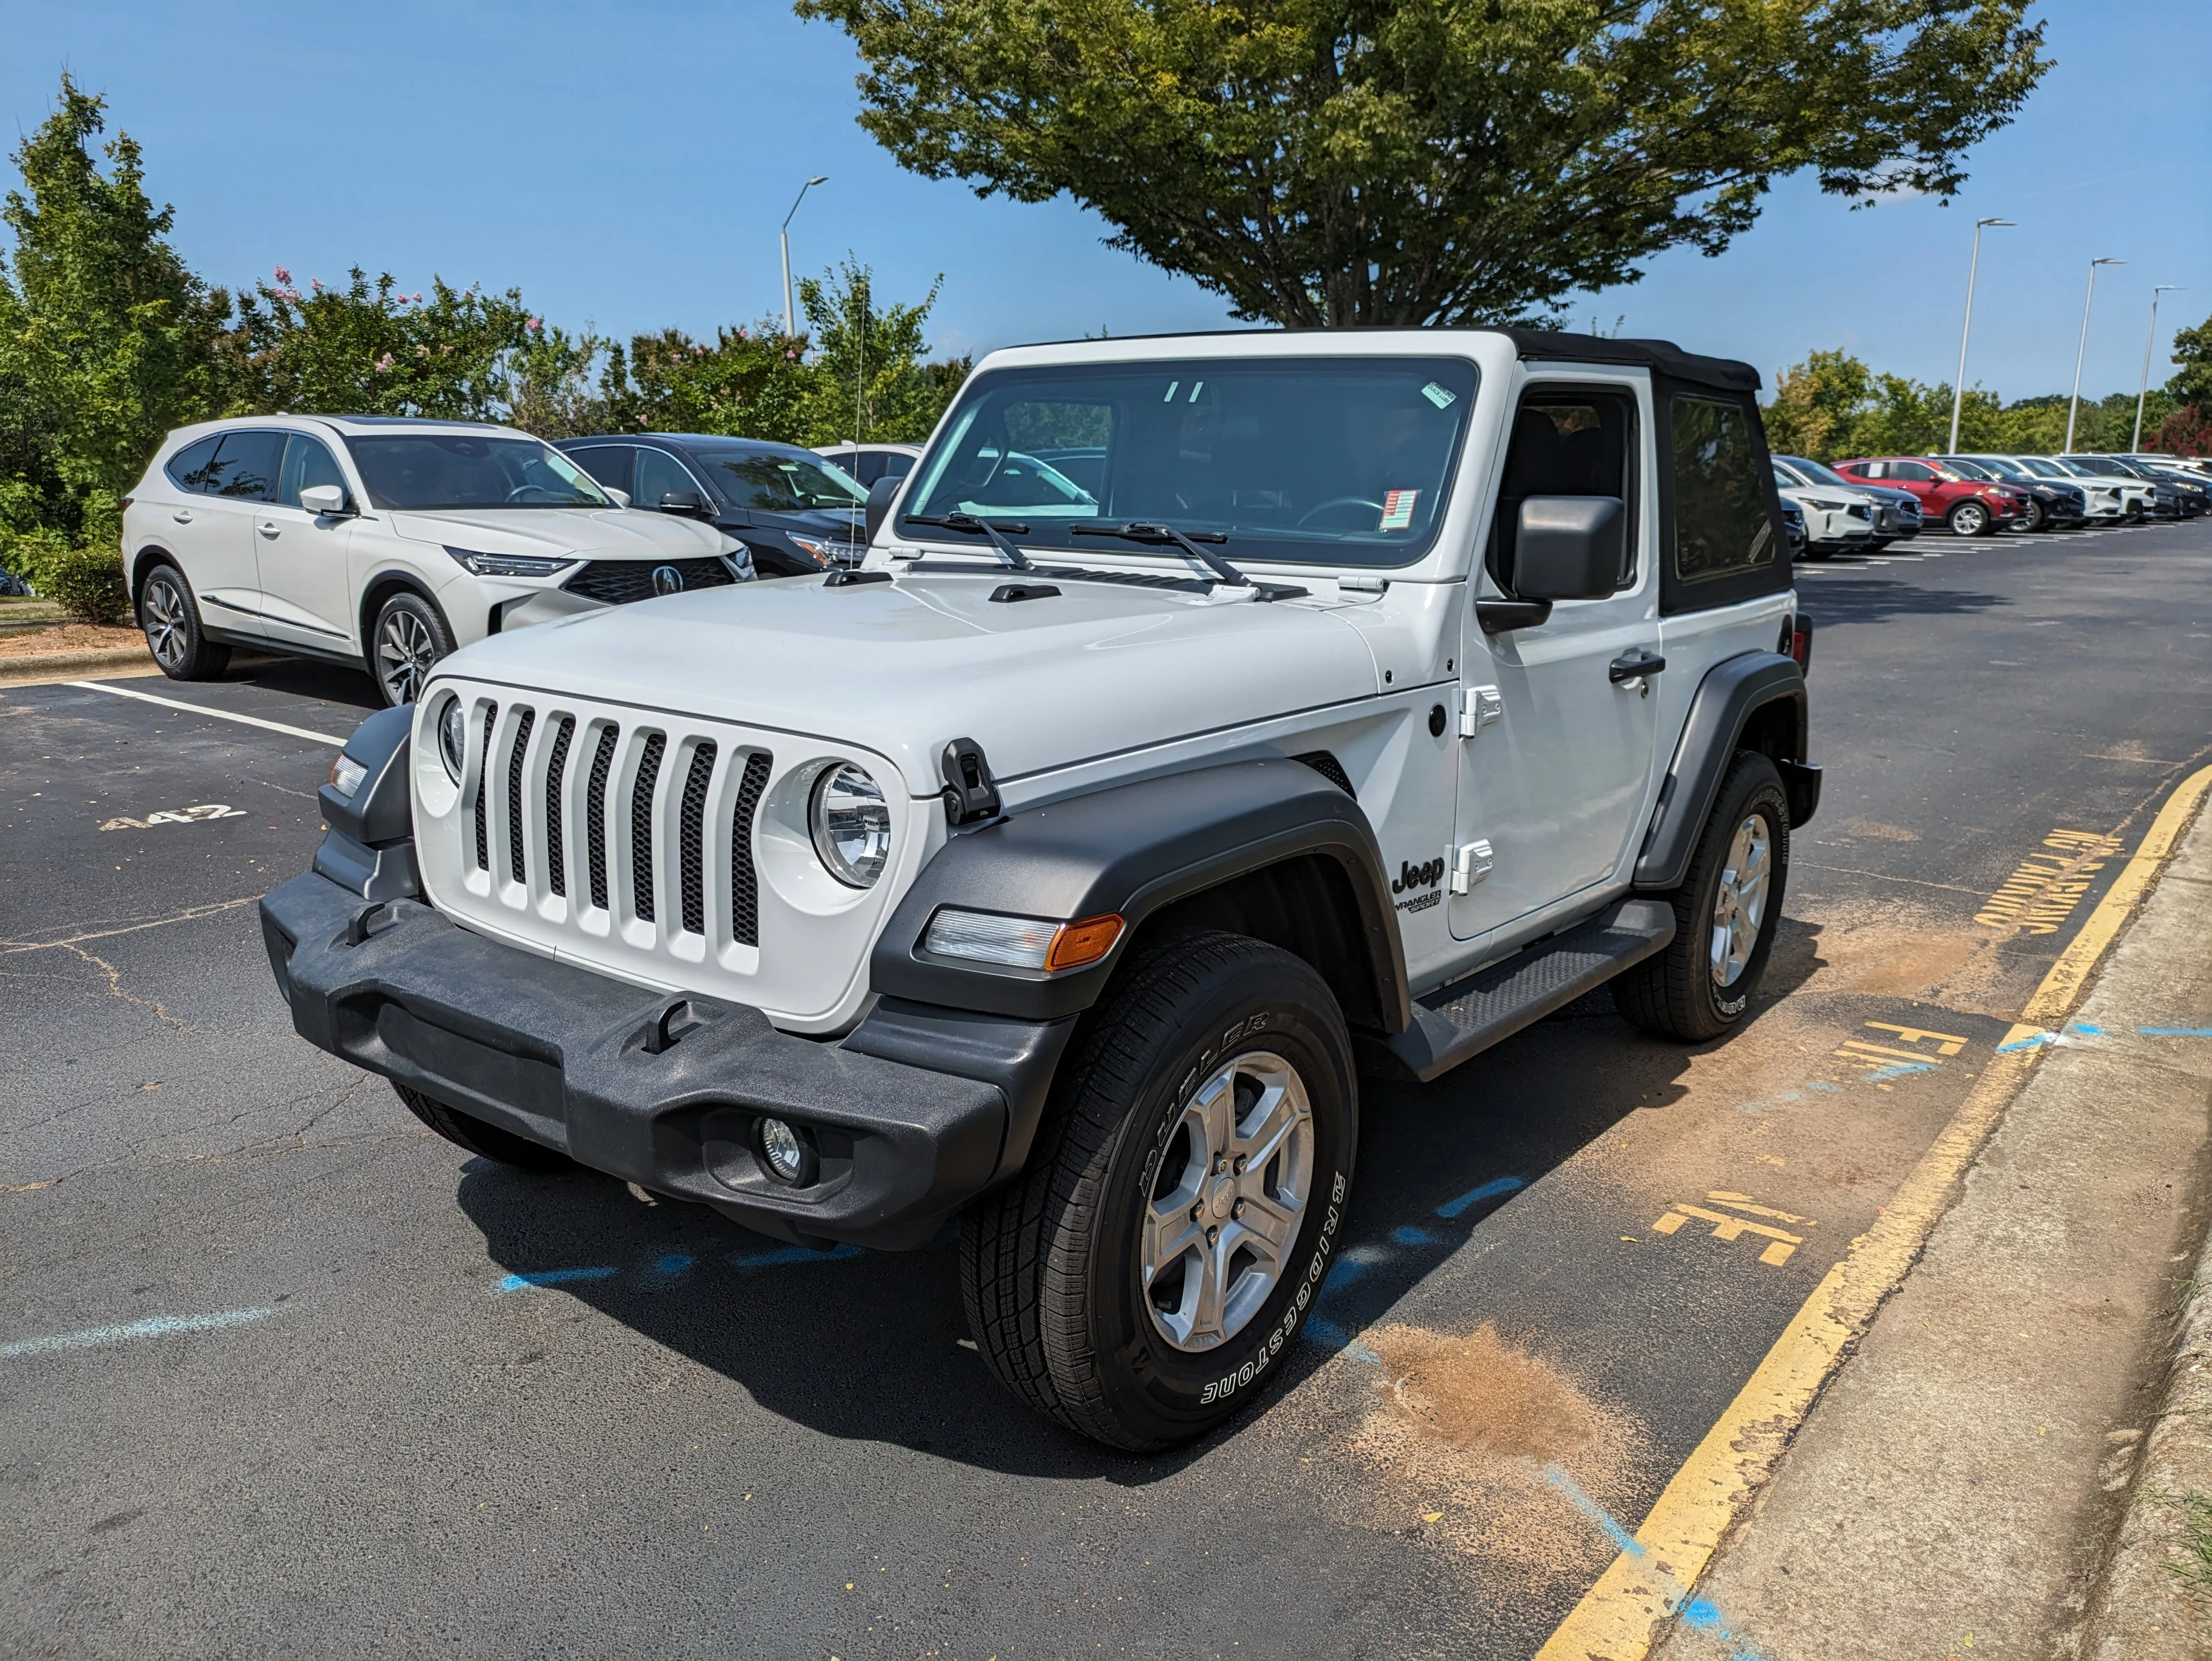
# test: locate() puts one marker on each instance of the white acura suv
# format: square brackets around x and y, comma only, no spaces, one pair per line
[386,543]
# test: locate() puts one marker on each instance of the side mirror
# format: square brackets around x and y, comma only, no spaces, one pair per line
[325,501]
[688,502]
[1569,548]
[879,504]
[620,498]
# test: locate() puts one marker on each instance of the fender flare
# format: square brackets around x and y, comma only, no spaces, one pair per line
[1722,708]
[1133,849]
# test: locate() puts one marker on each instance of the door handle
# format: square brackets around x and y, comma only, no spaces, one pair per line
[270,528]
[1634,665]
[182,516]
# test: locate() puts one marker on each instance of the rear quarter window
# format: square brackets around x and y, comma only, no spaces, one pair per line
[189,469]
[1720,523]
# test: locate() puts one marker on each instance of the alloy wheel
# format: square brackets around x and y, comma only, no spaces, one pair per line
[165,622]
[1739,908]
[404,653]
[1968,518]
[1226,1201]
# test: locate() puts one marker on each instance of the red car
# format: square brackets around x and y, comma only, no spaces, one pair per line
[1969,507]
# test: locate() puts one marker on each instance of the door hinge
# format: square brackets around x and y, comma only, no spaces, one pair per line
[1470,865]
[1479,707]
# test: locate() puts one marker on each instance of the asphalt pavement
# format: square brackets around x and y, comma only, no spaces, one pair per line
[281,1372]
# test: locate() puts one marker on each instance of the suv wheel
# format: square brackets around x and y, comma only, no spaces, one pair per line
[1724,912]
[1968,518]
[1141,1278]
[2032,517]
[488,1140]
[409,637]
[171,622]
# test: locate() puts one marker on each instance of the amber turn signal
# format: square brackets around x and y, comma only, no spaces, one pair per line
[1076,944]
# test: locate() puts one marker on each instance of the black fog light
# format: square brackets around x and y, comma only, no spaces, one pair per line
[786,1151]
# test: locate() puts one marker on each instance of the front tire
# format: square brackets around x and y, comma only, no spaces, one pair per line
[479,1137]
[1968,518]
[171,619]
[2033,517]
[409,637]
[1725,910]
[1146,1271]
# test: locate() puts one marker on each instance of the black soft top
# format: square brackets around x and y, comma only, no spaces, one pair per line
[1548,346]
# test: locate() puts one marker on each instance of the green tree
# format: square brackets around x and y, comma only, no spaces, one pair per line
[2192,351]
[872,379]
[1329,162]
[104,331]
[747,382]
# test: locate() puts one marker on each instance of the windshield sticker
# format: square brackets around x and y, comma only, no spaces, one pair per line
[1398,509]
[1440,396]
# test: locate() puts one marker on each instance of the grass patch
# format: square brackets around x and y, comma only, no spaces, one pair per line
[2195,1568]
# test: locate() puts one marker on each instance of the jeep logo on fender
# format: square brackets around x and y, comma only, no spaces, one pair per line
[1411,877]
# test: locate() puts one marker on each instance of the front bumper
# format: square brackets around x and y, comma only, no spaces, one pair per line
[918,1111]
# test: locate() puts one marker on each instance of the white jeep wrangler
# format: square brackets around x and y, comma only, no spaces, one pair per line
[1212,720]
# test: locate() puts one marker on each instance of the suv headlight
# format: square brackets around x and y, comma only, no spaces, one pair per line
[453,739]
[830,554]
[508,565]
[851,824]
[1825,505]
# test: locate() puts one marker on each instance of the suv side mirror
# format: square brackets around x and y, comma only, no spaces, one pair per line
[620,498]
[683,501]
[324,501]
[1569,547]
[879,503]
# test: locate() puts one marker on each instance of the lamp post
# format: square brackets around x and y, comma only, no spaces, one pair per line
[2074,403]
[790,321]
[2142,389]
[1959,386]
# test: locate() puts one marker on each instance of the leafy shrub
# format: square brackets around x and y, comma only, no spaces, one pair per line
[88,582]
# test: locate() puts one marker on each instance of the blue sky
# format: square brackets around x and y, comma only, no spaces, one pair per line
[626,166]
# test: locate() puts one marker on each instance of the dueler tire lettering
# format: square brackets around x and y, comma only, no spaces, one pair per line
[1049,1263]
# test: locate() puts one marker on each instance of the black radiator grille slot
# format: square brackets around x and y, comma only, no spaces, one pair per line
[595,814]
[557,767]
[514,795]
[641,826]
[691,837]
[1330,769]
[745,883]
[619,581]
[483,789]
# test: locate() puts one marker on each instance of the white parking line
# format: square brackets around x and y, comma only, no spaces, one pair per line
[201,709]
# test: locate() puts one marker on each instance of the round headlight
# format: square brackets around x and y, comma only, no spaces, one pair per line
[453,739]
[851,823]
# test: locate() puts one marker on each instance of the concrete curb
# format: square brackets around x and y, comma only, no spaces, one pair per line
[68,665]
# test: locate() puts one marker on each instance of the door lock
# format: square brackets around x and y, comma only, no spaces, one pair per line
[1470,865]
[1479,707]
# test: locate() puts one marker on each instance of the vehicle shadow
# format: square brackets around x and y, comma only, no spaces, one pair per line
[1841,598]
[872,1346]
[307,677]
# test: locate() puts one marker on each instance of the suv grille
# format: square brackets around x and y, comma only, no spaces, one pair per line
[619,581]
[634,836]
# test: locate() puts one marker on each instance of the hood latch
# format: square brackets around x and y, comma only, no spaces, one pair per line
[971,794]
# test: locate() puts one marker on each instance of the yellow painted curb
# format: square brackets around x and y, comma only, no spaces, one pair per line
[1619,1618]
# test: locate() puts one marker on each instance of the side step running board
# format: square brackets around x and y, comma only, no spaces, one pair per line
[1467,1017]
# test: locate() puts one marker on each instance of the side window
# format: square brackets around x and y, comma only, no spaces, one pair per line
[190,468]
[897,464]
[1914,471]
[1567,441]
[866,467]
[658,473]
[244,466]
[607,463]
[307,461]
[1721,525]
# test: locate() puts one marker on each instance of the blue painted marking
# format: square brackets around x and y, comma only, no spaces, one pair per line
[2175,1031]
[1824,1086]
[555,1277]
[674,1263]
[1410,1236]
[2027,1042]
[1341,1274]
[2093,1031]
[1475,1197]
[155,1327]
[1330,1335]
[793,1255]
[1621,1538]
[1899,1069]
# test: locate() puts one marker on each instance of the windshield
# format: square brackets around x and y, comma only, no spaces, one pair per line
[1814,471]
[2001,468]
[1336,461]
[426,471]
[2097,464]
[780,481]
[2050,466]
[1970,470]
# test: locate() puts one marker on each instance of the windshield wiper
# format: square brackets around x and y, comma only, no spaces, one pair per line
[1006,550]
[1166,536]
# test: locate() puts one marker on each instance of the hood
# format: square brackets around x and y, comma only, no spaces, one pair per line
[1888,493]
[590,533]
[903,667]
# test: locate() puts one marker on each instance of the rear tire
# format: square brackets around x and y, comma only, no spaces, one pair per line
[487,1141]
[1700,986]
[1078,1276]
[171,617]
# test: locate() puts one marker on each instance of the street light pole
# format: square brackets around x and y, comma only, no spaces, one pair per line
[1959,386]
[2142,389]
[2074,403]
[790,321]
